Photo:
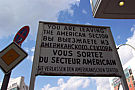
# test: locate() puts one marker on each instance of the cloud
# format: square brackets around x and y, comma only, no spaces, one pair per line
[30,52]
[72,84]
[16,14]
[33,49]
[102,83]
[120,88]
[118,37]
[126,52]
[133,28]
[26,49]
[30,58]
[127,56]
[131,64]
[88,24]
[84,11]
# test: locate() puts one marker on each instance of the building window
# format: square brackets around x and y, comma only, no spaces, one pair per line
[128,79]
[127,75]
[134,83]
[14,84]
[132,77]
[130,86]
[130,71]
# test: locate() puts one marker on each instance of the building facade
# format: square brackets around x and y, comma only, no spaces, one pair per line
[129,77]
[17,84]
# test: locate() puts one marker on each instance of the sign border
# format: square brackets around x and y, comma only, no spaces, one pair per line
[28,29]
[5,68]
[37,52]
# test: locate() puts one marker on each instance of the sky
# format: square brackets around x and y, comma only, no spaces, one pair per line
[18,13]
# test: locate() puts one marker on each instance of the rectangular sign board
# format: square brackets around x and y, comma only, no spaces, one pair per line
[75,50]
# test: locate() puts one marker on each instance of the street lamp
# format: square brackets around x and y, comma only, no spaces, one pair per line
[125,44]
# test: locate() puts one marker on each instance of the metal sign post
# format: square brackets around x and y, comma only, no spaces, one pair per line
[13,55]
[75,50]
[122,75]
[35,63]
[5,81]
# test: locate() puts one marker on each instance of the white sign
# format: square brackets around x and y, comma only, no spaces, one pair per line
[75,50]
[11,56]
